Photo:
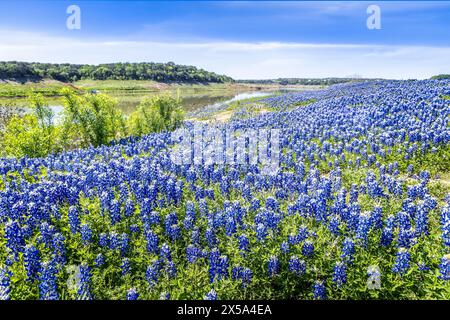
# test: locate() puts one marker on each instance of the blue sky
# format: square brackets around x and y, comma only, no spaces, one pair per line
[242,39]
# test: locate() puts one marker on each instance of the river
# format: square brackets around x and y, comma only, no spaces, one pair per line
[192,101]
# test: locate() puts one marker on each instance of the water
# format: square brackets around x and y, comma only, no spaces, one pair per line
[193,102]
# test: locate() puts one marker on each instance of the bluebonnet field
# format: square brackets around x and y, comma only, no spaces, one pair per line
[359,209]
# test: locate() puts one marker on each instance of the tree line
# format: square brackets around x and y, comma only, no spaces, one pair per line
[441,77]
[65,72]
[302,81]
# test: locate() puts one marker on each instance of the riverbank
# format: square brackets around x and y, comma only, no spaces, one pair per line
[129,93]
[51,88]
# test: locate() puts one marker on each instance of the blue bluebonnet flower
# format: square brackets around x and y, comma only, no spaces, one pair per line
[32,262]
[103,240]
[243,274]
[422,266]
[211,238]
[190,215]
[152,242]
[114,212]
[74,219]
[154,218]
[445,225]
[416,191]
[230,226]
[47,286]
[444,267]
[170,220]
[348,250]
[5,283]
[308,248]
[402,264]
[153,272]
[405,238]
[124,244]
[363,229]
[272,204]
[334,225]
[354,193]
[376,218]
[129,208]
[273,266]
[165,252]
[195,235]
[211,295]
[193,253]
[294,239]
[175,232]
[244,243]
[352,216]
[125,266]
[284,247]
[171,269]
[115,241]
[99,260]
[47,231]
[84,290]
[373,187]
[59,249]
[218,265]
[340,274]
[387,234]
[14,237]
[297,266]
[261,232]
[255,204]
[319,291]
[410,169]
[132,294]
[425,175]
[86,233]
[134,228]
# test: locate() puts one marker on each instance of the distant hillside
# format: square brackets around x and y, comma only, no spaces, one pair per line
[302,81]
[441,76]
[161,72]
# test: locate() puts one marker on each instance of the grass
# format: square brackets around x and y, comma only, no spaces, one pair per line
[147,85]
[12,90]
[301,104]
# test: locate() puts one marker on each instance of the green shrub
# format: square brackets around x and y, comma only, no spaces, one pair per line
[155,114]
[33,135]
[91,119]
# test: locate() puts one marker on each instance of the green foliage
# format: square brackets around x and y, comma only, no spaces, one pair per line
[87,120]
[303,103]
[156,114]
[92,119]
[33,135]
[163,72]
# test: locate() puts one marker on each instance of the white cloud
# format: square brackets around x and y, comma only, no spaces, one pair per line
[240,60]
